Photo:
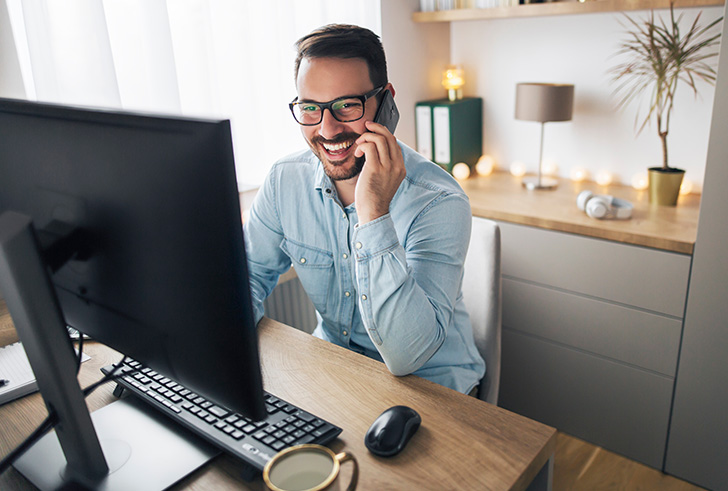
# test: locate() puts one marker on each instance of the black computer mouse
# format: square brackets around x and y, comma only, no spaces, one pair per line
[391,431]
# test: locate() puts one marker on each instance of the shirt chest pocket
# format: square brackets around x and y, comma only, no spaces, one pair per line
[314,268]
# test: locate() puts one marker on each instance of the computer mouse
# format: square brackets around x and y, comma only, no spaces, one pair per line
[391,431]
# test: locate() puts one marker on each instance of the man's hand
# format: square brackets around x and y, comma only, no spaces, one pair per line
[382,174]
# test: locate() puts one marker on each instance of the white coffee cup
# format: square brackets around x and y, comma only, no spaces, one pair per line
[308,468]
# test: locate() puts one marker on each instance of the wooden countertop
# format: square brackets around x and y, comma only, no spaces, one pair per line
[501,196]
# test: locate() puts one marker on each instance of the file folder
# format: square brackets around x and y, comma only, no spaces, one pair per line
[449,132]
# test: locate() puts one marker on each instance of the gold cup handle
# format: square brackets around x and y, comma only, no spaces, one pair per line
[346,457]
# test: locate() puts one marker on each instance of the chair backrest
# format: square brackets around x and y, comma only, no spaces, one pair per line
[482,296]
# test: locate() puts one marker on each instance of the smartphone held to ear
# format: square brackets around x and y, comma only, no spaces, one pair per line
[387,112]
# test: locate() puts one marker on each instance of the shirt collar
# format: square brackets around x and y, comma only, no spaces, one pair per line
[321,180]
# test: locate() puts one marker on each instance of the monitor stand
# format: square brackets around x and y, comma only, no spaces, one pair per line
[144,450]
[122,446]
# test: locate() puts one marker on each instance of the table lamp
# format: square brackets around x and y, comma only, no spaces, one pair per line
[544,103]
[453,79]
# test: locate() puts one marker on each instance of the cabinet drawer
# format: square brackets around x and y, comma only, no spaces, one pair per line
[646,278]
[621,408]
[631,336]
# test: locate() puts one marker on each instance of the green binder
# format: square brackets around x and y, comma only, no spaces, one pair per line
[449,132]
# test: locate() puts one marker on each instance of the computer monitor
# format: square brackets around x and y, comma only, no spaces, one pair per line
[138,228]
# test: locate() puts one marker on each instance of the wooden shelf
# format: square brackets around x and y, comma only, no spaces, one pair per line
[500,196]
[556,8]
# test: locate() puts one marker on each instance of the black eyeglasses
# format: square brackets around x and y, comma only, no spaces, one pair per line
[344,109]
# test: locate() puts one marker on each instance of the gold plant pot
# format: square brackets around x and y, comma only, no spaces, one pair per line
[664,185]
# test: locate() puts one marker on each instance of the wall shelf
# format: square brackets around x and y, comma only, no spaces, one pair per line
[556,8]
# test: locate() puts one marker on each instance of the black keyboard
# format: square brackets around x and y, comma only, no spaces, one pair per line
[255,442]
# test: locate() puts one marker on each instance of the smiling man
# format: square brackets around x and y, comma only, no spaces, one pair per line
[377,234]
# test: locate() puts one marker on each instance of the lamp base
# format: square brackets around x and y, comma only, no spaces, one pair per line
[532,183]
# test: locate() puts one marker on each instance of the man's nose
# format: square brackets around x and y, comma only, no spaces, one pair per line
[330,126]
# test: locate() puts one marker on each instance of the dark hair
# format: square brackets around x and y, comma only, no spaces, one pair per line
[344,41]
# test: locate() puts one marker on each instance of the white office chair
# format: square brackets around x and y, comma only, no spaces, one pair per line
[482,296]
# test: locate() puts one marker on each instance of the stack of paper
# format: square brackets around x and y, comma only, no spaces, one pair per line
[15,369]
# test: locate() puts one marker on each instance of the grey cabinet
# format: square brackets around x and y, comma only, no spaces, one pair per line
[591,334]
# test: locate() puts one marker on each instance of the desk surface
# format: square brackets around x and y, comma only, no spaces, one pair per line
[463,442]
[501,196]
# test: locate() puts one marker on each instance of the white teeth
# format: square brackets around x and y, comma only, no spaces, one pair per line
[337,147]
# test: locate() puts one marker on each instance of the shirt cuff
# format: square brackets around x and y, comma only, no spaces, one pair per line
[374,237]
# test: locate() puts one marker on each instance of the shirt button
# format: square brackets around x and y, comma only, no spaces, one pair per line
[345,333]
[343,215]
[302,260]
[359,245]
[328,191]
[347,294]
[363,297]
[345,255]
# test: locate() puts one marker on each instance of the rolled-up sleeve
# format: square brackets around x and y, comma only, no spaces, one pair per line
[408,287]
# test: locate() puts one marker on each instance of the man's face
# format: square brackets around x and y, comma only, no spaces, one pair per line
[326,79]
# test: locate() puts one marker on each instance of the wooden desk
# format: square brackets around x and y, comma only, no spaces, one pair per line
[463,442]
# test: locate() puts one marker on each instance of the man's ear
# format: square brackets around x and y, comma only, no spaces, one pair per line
[390,88]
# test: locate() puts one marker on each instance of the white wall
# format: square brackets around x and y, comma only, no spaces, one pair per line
[416,55]
[578,49]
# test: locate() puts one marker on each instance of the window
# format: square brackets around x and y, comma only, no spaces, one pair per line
[209,58]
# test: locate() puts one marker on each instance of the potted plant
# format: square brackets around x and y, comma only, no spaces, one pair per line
[660,57]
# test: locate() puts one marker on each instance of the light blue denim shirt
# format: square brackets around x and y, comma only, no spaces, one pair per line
[389,289]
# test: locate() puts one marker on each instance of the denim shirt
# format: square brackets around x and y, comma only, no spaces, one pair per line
[389,289]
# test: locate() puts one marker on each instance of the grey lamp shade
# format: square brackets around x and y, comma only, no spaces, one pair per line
[544,102]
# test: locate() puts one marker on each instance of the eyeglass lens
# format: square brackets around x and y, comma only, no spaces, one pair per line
[344,110]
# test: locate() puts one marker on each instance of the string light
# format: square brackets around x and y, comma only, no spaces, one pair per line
[578,174]
[640,181]
[686,187]
[604,178]
[550,168]
[518,169]
[485,165]
[461,171]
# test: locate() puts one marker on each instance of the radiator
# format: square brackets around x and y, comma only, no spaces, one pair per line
[290,305]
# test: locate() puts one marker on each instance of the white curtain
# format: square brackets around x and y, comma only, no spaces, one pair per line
[209,58]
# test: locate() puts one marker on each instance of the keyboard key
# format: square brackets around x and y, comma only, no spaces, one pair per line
[303,440]
[218,411]
[323,430]
[237,434]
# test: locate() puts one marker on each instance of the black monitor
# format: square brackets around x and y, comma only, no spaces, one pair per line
[137,224]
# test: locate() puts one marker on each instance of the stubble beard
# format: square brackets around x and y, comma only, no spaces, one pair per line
[338,170]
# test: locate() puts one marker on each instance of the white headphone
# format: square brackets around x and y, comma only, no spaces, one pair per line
[603,206]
